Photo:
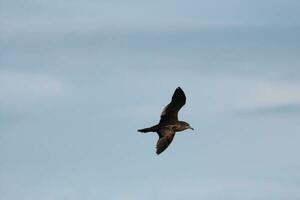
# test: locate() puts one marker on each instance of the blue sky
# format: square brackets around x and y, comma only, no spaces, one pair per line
[77,79]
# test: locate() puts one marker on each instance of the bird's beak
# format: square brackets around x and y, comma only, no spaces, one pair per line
[191,128]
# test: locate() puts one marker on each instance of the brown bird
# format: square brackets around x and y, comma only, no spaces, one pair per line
[169,123]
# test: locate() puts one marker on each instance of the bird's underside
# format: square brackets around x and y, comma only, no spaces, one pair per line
[169,123]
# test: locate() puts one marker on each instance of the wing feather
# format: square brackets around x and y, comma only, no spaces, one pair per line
[171,110]
[166,136]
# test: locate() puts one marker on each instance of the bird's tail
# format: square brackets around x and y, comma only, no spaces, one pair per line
[150,129]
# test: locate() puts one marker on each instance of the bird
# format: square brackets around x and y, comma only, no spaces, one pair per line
[169,123]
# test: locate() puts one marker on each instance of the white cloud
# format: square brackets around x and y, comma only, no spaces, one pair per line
[232,189]
[20,89]
[268,93]
[253,92]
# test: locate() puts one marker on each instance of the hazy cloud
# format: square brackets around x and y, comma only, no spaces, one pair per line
[276,110]
[23,88]
[215,189]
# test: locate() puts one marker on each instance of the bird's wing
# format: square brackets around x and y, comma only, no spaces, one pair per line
[166,136]
[170,112]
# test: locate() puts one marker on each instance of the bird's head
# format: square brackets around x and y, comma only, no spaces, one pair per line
[186,125]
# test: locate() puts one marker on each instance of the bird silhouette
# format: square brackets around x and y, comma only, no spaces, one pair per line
[169,123]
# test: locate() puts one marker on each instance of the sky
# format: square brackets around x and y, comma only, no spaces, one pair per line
[77,79]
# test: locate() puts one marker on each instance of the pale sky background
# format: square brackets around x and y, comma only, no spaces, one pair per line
[78,78]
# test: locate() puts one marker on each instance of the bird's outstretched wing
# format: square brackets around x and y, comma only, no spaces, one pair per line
[170,112]
[166,136]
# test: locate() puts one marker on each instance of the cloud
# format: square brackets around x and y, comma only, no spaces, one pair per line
[214,189]
[268,98]
[21,89]
[283,109]
[261,93]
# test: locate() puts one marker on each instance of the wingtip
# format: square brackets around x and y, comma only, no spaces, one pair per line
[179,89]
[157,151]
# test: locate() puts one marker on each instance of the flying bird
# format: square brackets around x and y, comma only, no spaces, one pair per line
[169,123]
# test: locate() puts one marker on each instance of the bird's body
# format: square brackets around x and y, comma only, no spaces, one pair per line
[169,123]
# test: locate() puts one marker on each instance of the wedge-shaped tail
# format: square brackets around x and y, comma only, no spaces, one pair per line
[150,129]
